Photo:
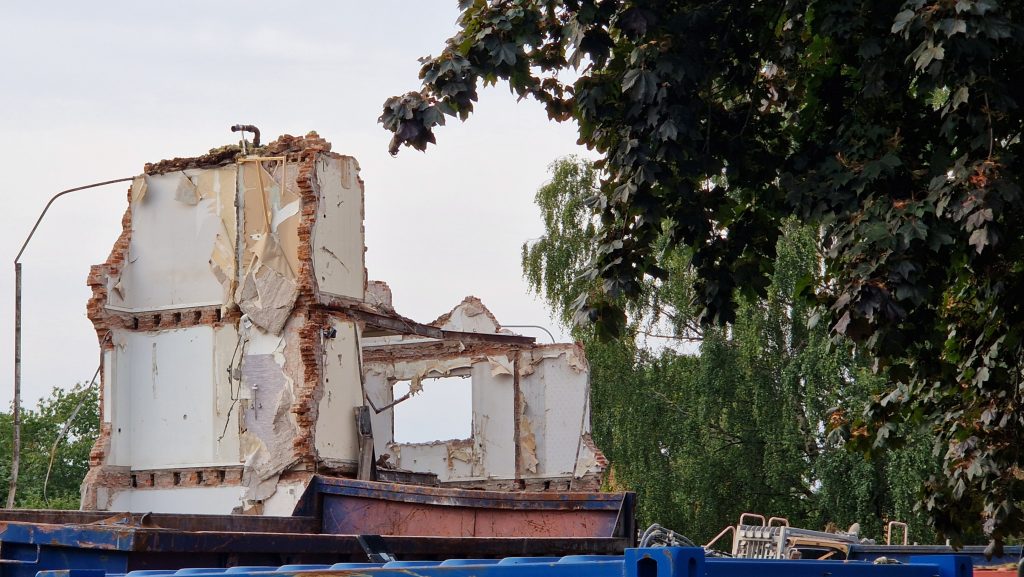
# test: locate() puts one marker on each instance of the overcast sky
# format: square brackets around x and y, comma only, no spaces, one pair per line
[92,91]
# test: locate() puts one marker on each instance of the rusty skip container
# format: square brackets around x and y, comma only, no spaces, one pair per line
[334,522]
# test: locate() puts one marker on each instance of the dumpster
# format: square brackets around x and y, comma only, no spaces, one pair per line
[903,553]
[645,562]
[337,520]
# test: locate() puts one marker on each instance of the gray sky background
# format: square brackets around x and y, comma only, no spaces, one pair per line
[91,91]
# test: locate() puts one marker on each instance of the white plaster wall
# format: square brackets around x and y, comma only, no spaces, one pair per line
[282,502]
[118,398]
[378,378]
[492,453]
[561,393]
[168,262]
[493,423]
[430,457]
[338,245]
[554,389]
[433,458]
[260,342]
[470,317]
[336,436]
[108,379]
[226,407]
[208,500]
[167,410]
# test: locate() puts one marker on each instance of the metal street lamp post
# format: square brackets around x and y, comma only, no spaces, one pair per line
[16,447]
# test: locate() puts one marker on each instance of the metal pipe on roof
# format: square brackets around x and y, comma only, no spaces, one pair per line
[248,128]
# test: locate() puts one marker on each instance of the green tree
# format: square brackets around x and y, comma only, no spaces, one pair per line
[41,427]
[742,425]
[894,127]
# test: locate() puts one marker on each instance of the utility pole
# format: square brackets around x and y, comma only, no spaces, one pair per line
[16,413]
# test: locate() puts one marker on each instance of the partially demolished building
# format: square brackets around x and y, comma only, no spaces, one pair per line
[244,351]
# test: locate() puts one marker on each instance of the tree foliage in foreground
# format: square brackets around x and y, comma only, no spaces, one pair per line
[894,127]
[40,427]
[741,426]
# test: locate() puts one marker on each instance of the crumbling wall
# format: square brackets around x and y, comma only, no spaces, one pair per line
[337,244]
[531,420]
[181,223]
[208,312]
[233,315]
[555,387]
[336,441]
[494,422]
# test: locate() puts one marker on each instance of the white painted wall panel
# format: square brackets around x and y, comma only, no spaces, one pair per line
[338,246]
[171,376]
[225,407]
[168,264]
[165,410]
[336,436]
[565,400]
[380,393]
[108,380]
[471,318]
[152,389]
[120,403]
[208,500]
[282,503]
[493,423]
[434,458]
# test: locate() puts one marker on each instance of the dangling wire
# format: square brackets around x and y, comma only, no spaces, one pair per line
[234,374]
[67,424]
